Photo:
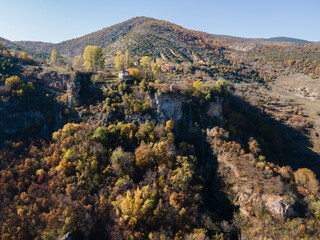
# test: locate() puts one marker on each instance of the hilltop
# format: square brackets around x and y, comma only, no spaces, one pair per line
[141,35]
[144,35]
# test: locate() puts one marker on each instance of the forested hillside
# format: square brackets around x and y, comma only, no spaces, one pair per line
[147,130]
[148,36]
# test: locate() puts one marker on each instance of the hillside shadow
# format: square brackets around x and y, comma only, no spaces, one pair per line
[280,143]
[192,131]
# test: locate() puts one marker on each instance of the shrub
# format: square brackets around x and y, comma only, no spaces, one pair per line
[254,146]
[13,81]
[222,86]
[169,125]
[306,178]
[261,164]
[285,172]
[68,155]
[262,158]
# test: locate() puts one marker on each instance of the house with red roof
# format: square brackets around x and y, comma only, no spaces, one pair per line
[124,74]
[167,68]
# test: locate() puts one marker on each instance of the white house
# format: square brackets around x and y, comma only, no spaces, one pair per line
[124,74]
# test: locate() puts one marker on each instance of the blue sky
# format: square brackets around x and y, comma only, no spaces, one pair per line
[58,20]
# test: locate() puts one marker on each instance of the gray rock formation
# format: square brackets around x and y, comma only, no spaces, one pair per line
[62,83]
[137,118]
[169,106]
[68,236]
[278,206]
[14,118]
[215,108]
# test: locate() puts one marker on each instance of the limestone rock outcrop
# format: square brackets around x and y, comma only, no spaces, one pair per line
[169,106]
[215,108]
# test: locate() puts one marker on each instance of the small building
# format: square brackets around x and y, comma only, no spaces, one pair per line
[191,81]
[136,63]
[167,68]
[124,74]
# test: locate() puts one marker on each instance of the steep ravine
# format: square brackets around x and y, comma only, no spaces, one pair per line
[243,189]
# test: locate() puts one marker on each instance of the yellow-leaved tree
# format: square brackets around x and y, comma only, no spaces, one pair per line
[134,73]
[127,59]
[135,205]
[93,58]
[119,61]
[77,62]
[13,81]
[55,57]
[145,62]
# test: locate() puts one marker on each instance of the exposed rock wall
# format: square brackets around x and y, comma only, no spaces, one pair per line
[137,118]
[215,108]
[74,85]
[13,121]
[14,118]
[169,106]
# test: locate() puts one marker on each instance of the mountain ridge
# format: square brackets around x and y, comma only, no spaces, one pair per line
[117,28]
[150,36]
[17,46]
[289,39]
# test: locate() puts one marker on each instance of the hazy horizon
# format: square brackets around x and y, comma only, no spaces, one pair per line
[59,21]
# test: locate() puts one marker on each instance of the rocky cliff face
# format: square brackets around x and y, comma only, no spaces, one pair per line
[188,118]
[15,119]
[74,85]
[43,114]
[62,84]
[215,108]
[169,106]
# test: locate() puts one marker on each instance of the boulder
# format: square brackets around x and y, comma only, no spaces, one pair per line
[68,236]
[278,207]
